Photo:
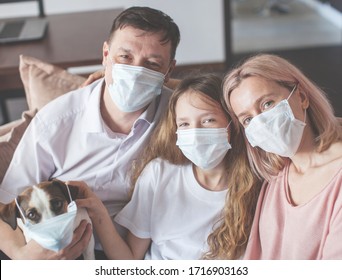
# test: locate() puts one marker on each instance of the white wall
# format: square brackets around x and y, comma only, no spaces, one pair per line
[200,22]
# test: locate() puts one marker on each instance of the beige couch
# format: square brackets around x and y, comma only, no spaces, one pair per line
[42,82]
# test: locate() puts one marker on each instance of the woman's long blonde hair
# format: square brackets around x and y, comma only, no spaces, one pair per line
[230,234]
[320,114]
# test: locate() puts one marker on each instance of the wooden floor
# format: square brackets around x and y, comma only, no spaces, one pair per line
[323,65]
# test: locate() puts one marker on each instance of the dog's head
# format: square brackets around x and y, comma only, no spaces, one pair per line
[39,202]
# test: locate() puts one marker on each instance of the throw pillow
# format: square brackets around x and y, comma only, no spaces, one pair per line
[44,82]
[9,141]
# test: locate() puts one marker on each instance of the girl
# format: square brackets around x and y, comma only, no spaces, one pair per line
[187,178]
[295,144]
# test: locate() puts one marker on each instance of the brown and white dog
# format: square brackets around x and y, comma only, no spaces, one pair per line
[43,201]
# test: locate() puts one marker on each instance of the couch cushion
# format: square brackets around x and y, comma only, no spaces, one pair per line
[44,82]
[10,135]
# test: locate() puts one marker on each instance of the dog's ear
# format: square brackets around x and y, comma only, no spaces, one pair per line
[62,186]
[9,214]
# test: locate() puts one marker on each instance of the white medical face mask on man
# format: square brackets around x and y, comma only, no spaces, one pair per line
[205,147]
[55,233]
[134,87]
[276,131]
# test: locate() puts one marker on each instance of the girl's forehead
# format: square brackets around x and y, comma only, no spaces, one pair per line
[193,97]
[191,103]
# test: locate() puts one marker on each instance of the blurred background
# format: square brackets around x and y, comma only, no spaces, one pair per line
[217,34]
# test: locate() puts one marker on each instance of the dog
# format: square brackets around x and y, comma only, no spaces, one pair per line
[41,202]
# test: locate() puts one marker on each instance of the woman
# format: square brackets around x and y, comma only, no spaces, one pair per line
[295,144]
[187,178]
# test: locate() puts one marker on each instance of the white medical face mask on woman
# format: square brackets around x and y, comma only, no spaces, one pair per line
[134,87]
[276,131]
[55,233]
[205,147]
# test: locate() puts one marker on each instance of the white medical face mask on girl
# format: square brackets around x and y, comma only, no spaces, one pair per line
[134,87]
[276,131]
[205,147]
[55,233]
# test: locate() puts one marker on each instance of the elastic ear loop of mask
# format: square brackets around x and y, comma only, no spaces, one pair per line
[20,210]
[293,90]
[229,124]
[67,186]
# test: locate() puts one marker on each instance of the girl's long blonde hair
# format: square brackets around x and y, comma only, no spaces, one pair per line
[320,114]
[230,234]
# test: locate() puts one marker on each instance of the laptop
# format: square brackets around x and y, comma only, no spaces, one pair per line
[23,29]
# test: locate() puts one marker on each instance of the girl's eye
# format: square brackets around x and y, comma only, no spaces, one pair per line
[245,122]
[209,121]
[182,124]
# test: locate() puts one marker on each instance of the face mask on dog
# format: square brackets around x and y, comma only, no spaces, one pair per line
[55,233]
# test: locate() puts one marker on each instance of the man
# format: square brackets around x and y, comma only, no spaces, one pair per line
[95,133]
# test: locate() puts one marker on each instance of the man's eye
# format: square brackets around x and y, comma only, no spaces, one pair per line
[123,58]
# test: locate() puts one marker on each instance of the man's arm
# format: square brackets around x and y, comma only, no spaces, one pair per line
[12,243]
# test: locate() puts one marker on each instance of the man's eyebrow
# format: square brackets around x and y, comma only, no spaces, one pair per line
[125,50]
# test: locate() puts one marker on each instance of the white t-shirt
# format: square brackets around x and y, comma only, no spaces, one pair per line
[171,208]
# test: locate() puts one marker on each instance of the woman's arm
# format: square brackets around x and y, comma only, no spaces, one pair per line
[114,246]
[333,245]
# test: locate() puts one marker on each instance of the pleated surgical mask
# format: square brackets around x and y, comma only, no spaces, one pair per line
[204,147]
[276,130]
